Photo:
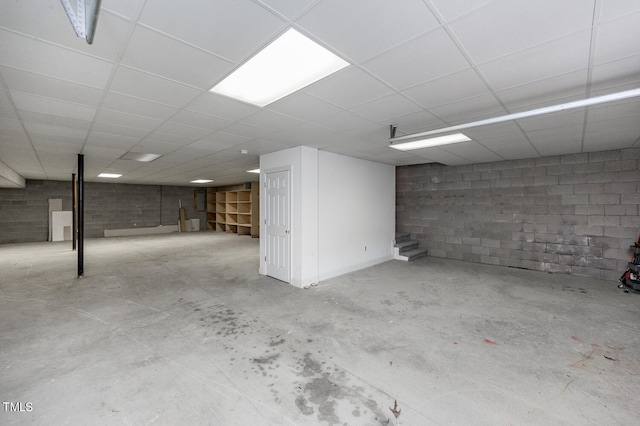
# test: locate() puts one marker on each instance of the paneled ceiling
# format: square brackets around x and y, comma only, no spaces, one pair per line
[143,85]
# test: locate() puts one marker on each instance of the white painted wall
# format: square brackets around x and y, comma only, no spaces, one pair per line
[339,206]
[356,201]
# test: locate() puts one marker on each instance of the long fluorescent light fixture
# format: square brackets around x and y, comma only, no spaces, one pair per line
[429,142]
[516,116]
[83,24]
[290,63]
[202,181]
[109,175]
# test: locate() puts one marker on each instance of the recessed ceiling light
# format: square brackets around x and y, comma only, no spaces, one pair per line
[109,175]
[202,181]
[290,63]
[429,142]
[140,156]
[253,171]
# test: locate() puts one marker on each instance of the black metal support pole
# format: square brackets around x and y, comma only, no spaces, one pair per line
[80,215]
[74,206]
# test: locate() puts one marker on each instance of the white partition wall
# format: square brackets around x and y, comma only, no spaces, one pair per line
[356,201]
[342,213]
[302,163]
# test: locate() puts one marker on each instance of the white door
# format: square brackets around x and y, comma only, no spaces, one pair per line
[277,221]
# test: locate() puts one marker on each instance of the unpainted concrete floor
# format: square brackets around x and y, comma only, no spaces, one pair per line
[181,329]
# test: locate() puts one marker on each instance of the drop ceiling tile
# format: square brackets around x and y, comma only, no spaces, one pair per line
[348,88]
[451,9]
[557,57]
[219,141]
[361,29]
[303,106]
[136,106]
[161,55]
[345,120]
[386,108]
[153,147]
[614,110]
[471,151]
[517,153]
[181,130]
[111,140]
[616,73]
[619,131]
[257,147]
[54,131]
[4,95]
[574,117]
[46,145]
[428,57]
[10,127]
[613,39]
[504,130]
[503,26]
[48,87]
[53,107]
[569,146]
[127,120]
[452,88]
[156,89]
[221,106]
[178,141]
[438,155]
[570,137]
[612,9]
[38,57]
[124,8]
[271,121]
[48,21]
[248,131]
[547,92]
[248,25]
[55,120]
[7,112]
[119,130]
[288,8]
[203,121]
[509,145]
[473,109]
[417,122]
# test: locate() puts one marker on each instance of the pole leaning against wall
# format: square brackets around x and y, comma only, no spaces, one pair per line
[80,215]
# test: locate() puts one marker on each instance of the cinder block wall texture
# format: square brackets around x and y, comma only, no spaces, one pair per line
[573,214]
[24,212]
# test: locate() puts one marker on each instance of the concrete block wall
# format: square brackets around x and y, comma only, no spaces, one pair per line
[574,214]
[24,212]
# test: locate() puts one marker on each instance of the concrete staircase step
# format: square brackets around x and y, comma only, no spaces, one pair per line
[412,254]
[402,237]
[407,245]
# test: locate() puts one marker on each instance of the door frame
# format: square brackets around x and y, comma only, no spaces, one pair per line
[263,217]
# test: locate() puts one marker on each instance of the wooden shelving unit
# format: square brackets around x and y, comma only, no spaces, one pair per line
[235,211]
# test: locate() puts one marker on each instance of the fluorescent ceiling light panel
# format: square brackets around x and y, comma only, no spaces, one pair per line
[109,175]
[288,64]
[253,171]
[430,142]
[140,156]
[202,181]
